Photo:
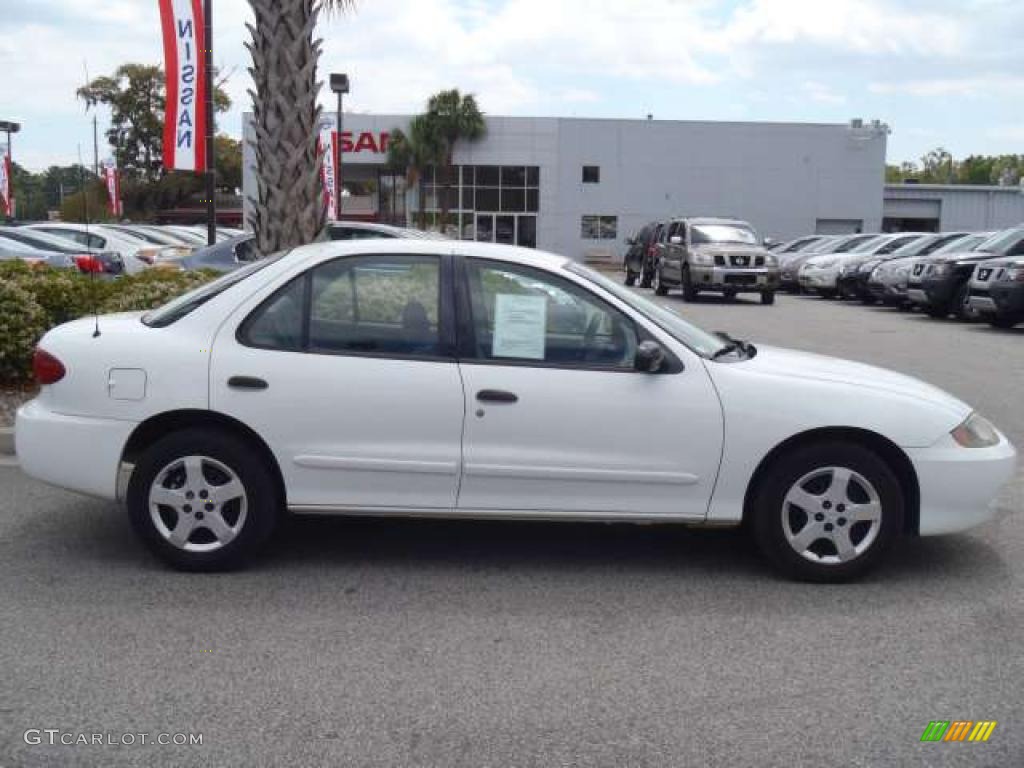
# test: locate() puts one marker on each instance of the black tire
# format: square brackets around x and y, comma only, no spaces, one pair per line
[729,294]
[630,278]
[768,524]
[1004,321]
[262,499]
[961,311]
[936,312]
[660,289]
[768,297]
[645,277]
[689,291]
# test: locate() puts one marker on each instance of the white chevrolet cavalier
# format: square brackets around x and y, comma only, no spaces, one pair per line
[457,379]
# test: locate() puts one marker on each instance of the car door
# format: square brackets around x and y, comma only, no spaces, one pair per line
[559,420]
[676,251]
[347,372]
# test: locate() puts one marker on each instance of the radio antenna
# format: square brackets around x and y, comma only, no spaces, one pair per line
[93,259]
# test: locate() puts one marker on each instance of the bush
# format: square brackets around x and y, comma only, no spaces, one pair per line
[35,299]
[22,323]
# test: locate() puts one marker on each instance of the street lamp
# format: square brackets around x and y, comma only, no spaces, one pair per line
[9,127]
[339,84]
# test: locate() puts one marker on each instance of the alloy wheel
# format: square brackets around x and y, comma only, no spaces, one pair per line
[198,504]
[831,515]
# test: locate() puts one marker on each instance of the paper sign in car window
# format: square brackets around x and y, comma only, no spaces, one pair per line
[519,325]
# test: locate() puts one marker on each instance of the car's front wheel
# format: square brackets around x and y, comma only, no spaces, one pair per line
[202,500]
[660,289]
[827,511]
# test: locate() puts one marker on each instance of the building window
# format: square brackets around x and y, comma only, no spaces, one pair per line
[599,227]
[591,174]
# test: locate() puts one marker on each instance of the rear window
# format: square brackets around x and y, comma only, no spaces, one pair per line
[177,308]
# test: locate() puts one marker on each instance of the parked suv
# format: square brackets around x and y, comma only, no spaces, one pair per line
[639,261]
[996,291]
[707,254]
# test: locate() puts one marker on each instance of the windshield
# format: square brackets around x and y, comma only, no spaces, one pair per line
[867,246]
[1001,242]
[697,339]
[177,308]
[852,243]
[968,243]
[721,233]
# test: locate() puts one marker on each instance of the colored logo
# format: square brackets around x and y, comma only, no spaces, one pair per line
[958,730]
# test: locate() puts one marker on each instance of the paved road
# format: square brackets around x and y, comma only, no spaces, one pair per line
[504,644]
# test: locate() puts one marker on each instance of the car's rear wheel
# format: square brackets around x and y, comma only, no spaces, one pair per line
[630,278]
[202,500]
[1004,321]
[939,312]
[827,511]
[729,294]
[768,297]
[645,277]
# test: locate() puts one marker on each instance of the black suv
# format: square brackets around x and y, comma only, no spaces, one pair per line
[639,261]
[944,279]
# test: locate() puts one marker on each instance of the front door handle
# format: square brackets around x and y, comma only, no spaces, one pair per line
[247,382]
[496,396]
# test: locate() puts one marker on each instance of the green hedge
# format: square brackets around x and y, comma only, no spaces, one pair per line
[35,299]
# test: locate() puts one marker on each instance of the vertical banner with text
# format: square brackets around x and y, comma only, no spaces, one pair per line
[112,180]
[6,185]
[329,169]
[185,69]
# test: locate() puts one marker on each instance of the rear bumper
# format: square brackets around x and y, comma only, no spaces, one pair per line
[958,485]
[74,452]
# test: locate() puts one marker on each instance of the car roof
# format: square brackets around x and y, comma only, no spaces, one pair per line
[710,220]
[510,253]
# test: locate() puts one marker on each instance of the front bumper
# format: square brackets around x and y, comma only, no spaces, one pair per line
[939,290]
[819,279]
[74,452]
[756,280]
[916,294]
[958,485]
[1008,297]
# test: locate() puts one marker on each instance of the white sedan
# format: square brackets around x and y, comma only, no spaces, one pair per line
[432,378]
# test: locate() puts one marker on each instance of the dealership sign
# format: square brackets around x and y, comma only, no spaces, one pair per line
[112,181]
[365,141]
[185,66]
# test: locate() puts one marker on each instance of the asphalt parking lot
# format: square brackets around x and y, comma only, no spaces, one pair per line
[371,642]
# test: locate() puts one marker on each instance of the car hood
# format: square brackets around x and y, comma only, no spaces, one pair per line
[777,362]
[947,258]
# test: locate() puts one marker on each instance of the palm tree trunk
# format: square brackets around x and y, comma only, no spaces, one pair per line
[288,209]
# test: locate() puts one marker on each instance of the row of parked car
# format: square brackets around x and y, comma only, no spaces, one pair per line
[966,275]
[115,249]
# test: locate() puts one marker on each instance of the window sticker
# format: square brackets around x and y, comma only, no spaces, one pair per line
[519,326]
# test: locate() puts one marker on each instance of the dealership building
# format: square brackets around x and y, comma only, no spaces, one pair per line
[579,186]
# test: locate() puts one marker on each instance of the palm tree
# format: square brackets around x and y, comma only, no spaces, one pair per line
[414,154]
[288,208]
[455,116]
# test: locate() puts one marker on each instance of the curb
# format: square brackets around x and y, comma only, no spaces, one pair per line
[6,441]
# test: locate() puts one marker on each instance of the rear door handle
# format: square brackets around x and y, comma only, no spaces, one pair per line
[247,382]
[496,396]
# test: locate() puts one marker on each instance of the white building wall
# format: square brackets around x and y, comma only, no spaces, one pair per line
[784,178]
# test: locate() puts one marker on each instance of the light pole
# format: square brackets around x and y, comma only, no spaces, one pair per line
[339,84]
[9,127]
[211,129]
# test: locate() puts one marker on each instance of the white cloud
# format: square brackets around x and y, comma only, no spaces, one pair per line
[994,84]
[822,93]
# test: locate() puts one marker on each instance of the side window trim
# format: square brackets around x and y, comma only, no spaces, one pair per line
[467,331]
[446,313]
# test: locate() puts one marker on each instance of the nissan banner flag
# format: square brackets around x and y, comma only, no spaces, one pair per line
[185,67]
[6,185]
[112,180]
[329,169]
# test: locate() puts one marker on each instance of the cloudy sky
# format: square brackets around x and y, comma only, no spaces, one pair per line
[940,72]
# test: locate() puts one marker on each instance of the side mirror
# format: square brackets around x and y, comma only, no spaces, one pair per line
[650,357]
[676,240]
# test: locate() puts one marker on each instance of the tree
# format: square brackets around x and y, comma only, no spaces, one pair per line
[136,98]
[414,154]
[455,117]
[288,208]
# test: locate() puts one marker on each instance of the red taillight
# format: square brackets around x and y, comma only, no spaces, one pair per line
[88,263]
[46,368]
[651,251]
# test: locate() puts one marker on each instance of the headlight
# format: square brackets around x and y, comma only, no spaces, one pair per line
[771,261]
[826,264]
[976,432]
[902,271]
[1014,273]
[703,259]
[940,270]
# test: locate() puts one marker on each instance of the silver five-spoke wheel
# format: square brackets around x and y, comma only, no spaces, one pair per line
[831,515]
[197,504]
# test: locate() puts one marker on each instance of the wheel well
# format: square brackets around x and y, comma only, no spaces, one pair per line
[155,427]
[891,453]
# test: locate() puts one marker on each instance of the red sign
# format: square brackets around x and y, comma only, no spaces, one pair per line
[185,69]
[377,143]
